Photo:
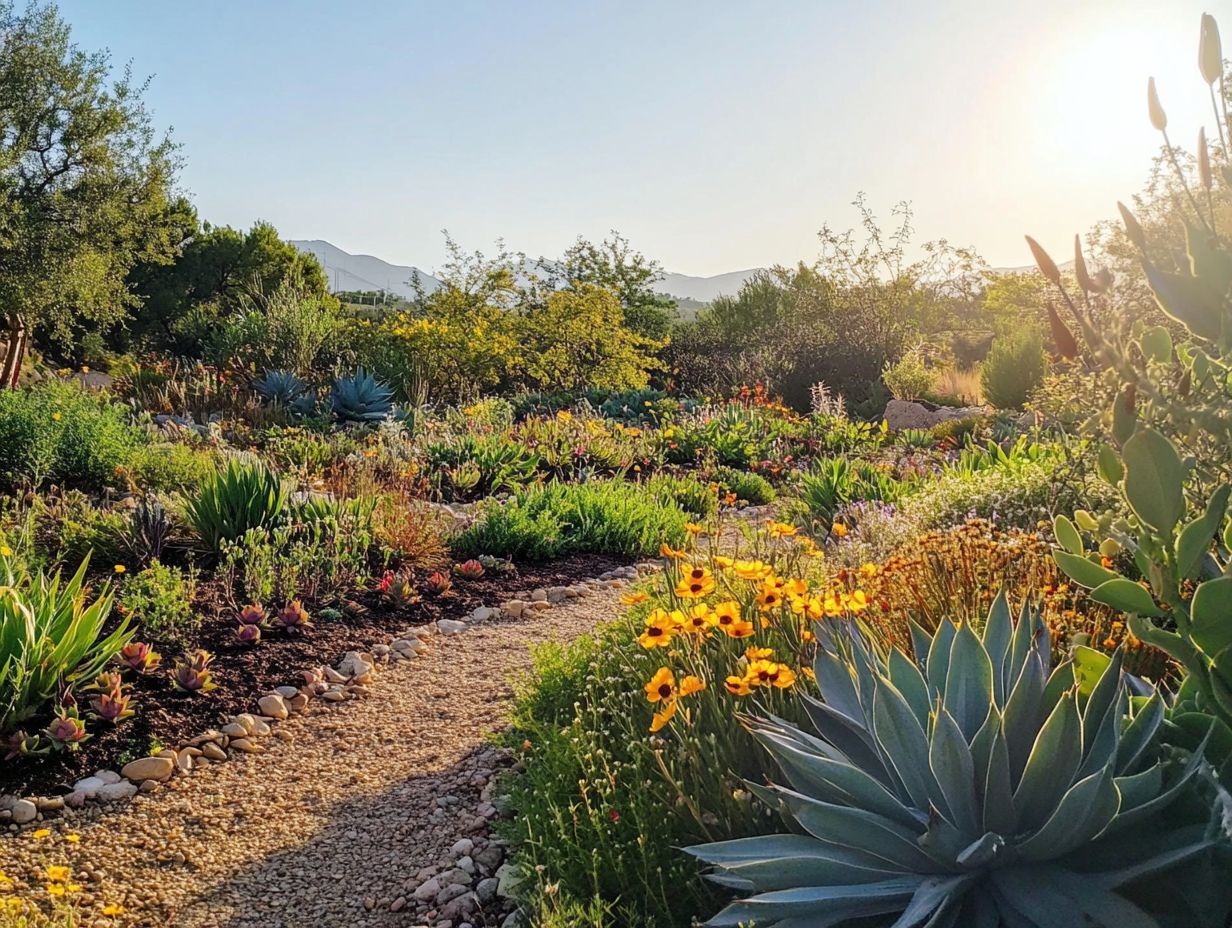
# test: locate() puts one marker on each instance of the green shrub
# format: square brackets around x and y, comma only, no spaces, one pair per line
[172,467]
[603,517]
[687,493]
[68,528]
[56,432]
[908,378]
[231,503]
[1015,366]
[50,639]
[835,483]
[752,488]
[159,598]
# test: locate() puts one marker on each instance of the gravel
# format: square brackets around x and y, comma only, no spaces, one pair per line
[332,822]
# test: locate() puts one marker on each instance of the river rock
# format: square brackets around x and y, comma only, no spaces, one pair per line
[149,768]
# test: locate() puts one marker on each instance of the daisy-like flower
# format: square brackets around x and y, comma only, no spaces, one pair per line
[634,598]
[722,561]
[58,874]
[838,530]
[695,582]
[113,908]
[699,621]
[754,653]
[738,686]
[730,619]
[41,833]
[768,597]
[657,631]
[691,684]
[663,716]
[665,550]
[662,686]
[752,570]
[120,568]
[693,528]
[780,529]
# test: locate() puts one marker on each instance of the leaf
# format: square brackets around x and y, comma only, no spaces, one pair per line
[1108,464]
[1156,344]
[1054,759]
[1083,570]
[968,684]
[1126,596]
[1210,615]
[1068,536]
[1187,300]
[1195,538]
[1154,480]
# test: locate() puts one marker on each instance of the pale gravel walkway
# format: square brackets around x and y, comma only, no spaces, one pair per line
[342,813]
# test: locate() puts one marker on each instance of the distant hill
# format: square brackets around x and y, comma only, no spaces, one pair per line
[365,272]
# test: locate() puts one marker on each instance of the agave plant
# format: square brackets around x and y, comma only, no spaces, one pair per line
[112,699]
[978,788]
[140,657]
[230,503]
[192,672]
[361,398]
[280,388]
[148,532]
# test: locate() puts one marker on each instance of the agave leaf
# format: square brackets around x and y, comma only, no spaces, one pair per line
[1061,682]
[1140,788]
[903,744]
[1083,813]
[774,862]
[1139,735]
[906,676]
[1023,716]
[933,898]
[921,642]
[1000,811]
[1175,846]
[968,687]
[836,681]
[822,906]
[998,633]
[848,735]
[1055,758]
[939,656]
[1140,813]
[1055,898]
[953,769]
[1102,737]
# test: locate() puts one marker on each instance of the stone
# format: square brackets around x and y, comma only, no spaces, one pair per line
[260,728]
[539,596]
[486,890]
[451,892]
[298,702]
[334,696]
[23,811]
[356,666]
[51,804]
[247,720]
[450,626]
[515,608]
[248,747]
[462,847]
[287,692]
[149,768]
[116,792]
[235,730]
[75,800]
[333,676]
[557,594]
[274,706]
[427,890]
[212,751]
[482,614]
[917,414]
[398,904]
[107,776]
[540,605]
[89,786]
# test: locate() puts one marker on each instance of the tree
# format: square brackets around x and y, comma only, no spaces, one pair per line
[614,265]
[219,270]
[85,186]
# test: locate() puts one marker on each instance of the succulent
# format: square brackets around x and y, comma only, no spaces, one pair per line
[20,744]
[281,388]
[978,787]
[248,634]
[293,616]
[66,731]
[229,504]
[469,570]
[438,584]
[398,588]
[141,657]
[148,531]
[192,672]
[361,398]
[111,704]
[329,614]
[252,614]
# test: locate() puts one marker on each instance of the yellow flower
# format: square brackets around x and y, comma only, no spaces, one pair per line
[722,562]
[6,551]
[113,908]
[738,686]
[729,618]
[869,570]
[691,684]
[73,838]
[58,874]
[768,598]
[839,530]
[755,653]
[769,673]
[42,833]
[752,570]
[781,529]
[658,631]
[663,716]
[633,599]
[56,417]
[695,582]
[662,686]
[55,889]
[693,528]
[120,568]
[669,552]
[808,606]
[74,887]
[699,621]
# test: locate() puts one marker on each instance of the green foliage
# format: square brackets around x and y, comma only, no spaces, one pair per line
[361,398]
[172,467]
[281,388]
[601,517]
[982,786]
[233,502]
[834,483]
[1014,367]
[752,488]
[88,188]
[288,327]
[58,433]
[159,599]
[908,378]
[50,639]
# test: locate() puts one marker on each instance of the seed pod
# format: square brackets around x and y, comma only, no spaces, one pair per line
[1046,265]
[1132,229]
[1210,51]
[1067,345]
[1159,119]
[1204,161]
[1080,268]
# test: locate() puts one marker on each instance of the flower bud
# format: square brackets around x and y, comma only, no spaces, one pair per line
[1204,161]
[1210,51]
[1047,266]
[1159,119]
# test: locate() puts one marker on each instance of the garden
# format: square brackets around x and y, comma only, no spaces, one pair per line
[526,602]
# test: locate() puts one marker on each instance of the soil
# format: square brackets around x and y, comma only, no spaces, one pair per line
[167,717]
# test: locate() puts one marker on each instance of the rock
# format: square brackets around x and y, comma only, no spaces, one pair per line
[51,804]
[540,605]
[23,811]
[356,666]
[248,747]
[115,792]
[149,768]
[398,904]
[247,720]
[75,800]
[558,594]
[486,890]
[298,702]
[260,728]
[287,692]
[427,890]
[515,608]
[917,414]
[507,880]
[462,847]
[212,751]
[334,696]
[89,786]
[512,920]
[107,776]
[235,730]
[451,892]
[539,596]
[274,706]
[450,626]
[482,614]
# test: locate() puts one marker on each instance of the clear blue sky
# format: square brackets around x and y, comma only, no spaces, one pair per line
[716,135]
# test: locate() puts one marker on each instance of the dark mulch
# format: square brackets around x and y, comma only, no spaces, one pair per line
[166,717]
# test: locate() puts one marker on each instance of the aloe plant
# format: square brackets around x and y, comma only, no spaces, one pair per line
[50,639]
[978,787]
[230,503]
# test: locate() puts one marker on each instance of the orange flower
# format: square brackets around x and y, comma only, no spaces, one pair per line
[839,530]
[729,618]
[738,686]
[658,630]
[663,716]
[693,528]
[722,561]
[755,653]
[752,570]
[699,621]
[633,599]
[768,597]
[781,529]
[695,582]
[662,686]
[669,552]
[691,684]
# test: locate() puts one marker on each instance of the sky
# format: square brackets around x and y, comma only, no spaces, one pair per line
[715,135]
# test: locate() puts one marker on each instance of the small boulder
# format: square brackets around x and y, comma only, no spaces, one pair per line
[149,768]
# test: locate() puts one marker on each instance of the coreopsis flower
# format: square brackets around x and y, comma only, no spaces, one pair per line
[691,684]
[665,550]
[699,620]
[738,686]
[722,561]
[693,528]
[663,716]
[634,598]
[781,529]
[754,653]
[752,570]
[768,597]
[695,582]
[838,530]
[730,619]
[662,686]
[657,631]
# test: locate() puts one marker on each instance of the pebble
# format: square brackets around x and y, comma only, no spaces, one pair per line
[23,811]
[114,792]
[149,768]
[450,626]
[274,706]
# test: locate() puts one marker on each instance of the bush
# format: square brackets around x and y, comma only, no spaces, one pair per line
[686,493]
[908,378]
[160,598]
[172,467]
[231,503]
[56,432]
[559,519]
[1014,367]
[69,528]
[754,489]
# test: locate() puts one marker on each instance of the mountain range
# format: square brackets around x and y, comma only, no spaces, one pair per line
[365,272]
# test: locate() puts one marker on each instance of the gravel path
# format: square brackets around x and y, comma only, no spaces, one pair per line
[331,825]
